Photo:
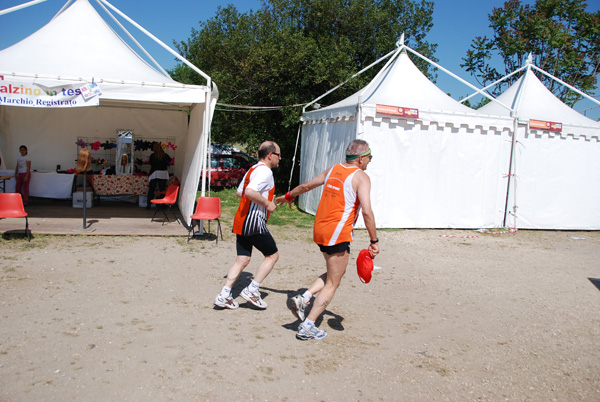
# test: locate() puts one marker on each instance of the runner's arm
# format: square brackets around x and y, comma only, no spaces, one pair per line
[303,188]
[258,199]
[364,195]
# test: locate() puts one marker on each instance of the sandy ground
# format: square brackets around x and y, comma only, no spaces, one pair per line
[459,318]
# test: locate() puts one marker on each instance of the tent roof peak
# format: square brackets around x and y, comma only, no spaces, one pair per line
[400,41]
[402,48]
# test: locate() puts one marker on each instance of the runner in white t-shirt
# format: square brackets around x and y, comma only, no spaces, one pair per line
[260,179]
[256,192]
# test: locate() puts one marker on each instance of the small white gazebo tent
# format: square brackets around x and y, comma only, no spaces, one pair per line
[555,172]
[77,48]
[436,163]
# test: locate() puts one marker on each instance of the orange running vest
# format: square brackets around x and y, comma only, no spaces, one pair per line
[338,208]
[251,218]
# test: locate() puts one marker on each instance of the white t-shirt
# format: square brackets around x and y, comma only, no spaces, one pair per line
[261,180]
[22,163]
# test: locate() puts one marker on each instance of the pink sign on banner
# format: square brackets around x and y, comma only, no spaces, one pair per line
[411,113]
[545,125]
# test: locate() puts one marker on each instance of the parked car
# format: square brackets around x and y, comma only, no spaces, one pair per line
[227,170]
[224,149]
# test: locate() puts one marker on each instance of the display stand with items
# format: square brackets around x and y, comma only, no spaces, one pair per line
[104,153]
[120,165]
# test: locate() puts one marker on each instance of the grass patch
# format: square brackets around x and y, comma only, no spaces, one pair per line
[280,217]
[283,215]
[19,241]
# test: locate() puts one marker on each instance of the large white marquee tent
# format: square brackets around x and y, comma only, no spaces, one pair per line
[439,164]
[436,163]
[555,182]
[77,47]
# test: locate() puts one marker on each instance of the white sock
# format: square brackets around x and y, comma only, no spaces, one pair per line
[307,296]
[253,287]
[226,292]
[308,323]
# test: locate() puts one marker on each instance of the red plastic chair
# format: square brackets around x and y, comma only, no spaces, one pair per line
[207,209]
[169,199]
[11,206]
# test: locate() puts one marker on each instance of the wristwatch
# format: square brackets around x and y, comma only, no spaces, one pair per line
[374,241]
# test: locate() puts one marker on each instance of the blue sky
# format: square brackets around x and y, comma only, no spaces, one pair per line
[456,23]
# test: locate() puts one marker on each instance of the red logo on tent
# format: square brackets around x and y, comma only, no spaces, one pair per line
[545,125]
[411,113]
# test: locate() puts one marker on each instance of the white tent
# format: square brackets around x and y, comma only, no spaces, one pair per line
[436,163]
[77,48]
[556,159]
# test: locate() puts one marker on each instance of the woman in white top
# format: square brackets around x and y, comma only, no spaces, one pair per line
[23,174]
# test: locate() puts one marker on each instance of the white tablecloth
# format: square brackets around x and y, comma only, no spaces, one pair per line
[45,185]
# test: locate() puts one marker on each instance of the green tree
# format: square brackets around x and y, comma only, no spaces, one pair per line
[291,51]
[562,36]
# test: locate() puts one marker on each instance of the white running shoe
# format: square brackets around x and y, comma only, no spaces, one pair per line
[254,298]
[298,307]
[305,332]
[225,302]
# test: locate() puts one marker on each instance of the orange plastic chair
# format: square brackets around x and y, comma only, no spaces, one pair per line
[207,209]
[169,199]
[11,206]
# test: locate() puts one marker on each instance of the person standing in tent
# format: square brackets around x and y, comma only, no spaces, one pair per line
[159,162]
[23,174]
[347,190]
[256,192]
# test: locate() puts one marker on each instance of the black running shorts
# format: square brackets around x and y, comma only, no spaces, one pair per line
[338,248]
[264,242]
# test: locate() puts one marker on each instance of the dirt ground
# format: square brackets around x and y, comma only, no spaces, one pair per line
[450,316]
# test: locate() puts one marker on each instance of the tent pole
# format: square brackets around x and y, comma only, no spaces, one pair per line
[494,83]
[203,170]
[158,41]
[479,91]
[572,88]
[510,178]
[20,7]
[512,163]
[64,7]
[133,39]
[383,69]
[208,138]
[84,199]
[343,83]
[294,158]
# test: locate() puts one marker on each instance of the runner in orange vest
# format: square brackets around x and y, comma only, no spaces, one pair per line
[347,190]
[256,192]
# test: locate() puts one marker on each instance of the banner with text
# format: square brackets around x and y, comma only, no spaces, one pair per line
[545,125]
[410,112]
[31,94]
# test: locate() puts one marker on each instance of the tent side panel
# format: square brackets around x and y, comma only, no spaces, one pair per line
[323,145]
[196,148]
[557,182]
[436,176]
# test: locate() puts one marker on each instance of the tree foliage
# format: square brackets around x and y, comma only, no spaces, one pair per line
[291,51]
[563,38]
